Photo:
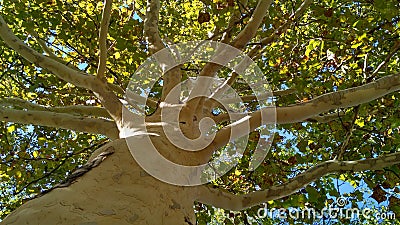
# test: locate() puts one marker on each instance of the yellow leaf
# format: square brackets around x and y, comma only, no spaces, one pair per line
[356,45]
[18,174]
[307,53]
[360,122]
[117,55]
[31,95]
[89,7]
[11,129]
[237,172]
[271,63]
[110,80]
[284,70]
[362,36]
[353,183]
[3,175]
[35,154]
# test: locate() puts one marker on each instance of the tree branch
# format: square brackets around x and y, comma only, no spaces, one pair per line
[268,40]
[134,98]
[233,20]
[78,78]
[224,117]
[394,50]
[81,110]
[239,42]
[244,36]
[172,77]
[303,111]
[229,201]
[251,28]
[151,32]
[349,133]
[43,45]
[264,96]
[224,87]
[64,72]
[61,120]
[105,21]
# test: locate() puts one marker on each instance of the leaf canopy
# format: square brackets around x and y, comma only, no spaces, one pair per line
[332,46]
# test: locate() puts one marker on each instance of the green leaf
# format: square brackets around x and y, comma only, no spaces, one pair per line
[313,194]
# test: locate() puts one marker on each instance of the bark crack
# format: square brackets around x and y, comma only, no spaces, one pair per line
[187,220]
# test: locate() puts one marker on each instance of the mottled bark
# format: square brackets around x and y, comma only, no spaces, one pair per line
[117,191]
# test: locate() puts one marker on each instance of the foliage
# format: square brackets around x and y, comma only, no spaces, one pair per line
[334,45]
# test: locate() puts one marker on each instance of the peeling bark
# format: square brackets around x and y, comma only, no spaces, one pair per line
[117,191]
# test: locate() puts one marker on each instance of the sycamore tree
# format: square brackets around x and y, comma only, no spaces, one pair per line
[96,96]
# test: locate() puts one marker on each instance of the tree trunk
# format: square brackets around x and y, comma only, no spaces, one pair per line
[117,191]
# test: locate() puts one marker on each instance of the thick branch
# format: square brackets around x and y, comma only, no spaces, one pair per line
[151,32]
[244,36]
[74,110]
[60,120]
[301,112]
[264,96]
[233,20]
[224,117]
[64,72]
[251,28]
[78,78]
[229,201]
[211,68]
[105,21]
[340,99]
[268,40]
[173,77]
[134,98]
